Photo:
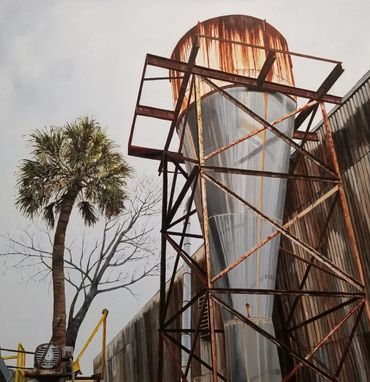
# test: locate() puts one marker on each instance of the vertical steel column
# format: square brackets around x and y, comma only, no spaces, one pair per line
[203,191]
[162,293]
[344,205]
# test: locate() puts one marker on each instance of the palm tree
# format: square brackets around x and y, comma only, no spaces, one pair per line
[74,165]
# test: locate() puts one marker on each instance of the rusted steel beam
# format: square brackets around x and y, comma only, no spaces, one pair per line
[154,112]
[205,364]
[267,65]
[179,220]
[337,270]
[181,170]
[287,292]
[322,342]
[180,253]
[234,143]
[274,234]
[171,285]
[152,153]
[173,188]
[163,78]
[304,138]
[346,350]
[181,158]
[181,330]
[174,359]
[179,66]
[250,323]
[269,127]
[205,227]
[189,260]
[162,280]
[137,103]
[313,264]
[193,235]
[307,106]
[344,206]
[183,308]
[197,332]
[322,314]
[331,79]
[192,178]
[185,123]
[307,136]
[309,56]
[323,89]
[271,174]
[182,91]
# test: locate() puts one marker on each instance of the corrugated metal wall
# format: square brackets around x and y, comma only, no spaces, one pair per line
[132,355]
[351,132]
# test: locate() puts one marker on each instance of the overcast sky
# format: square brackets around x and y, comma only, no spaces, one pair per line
[63,59]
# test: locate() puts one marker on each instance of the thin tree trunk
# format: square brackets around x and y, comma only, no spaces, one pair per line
[59,303]
[75,322]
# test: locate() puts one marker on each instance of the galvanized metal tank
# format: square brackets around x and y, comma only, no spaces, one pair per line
[234,228]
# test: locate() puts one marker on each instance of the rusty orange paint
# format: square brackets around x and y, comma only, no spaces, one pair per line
[217,52]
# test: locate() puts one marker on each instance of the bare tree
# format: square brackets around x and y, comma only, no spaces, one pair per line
[126,254]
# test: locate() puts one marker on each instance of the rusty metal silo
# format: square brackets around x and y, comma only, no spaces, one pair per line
[233,228]
[234,104]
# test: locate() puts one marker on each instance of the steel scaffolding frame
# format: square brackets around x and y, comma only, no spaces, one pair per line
[356,301]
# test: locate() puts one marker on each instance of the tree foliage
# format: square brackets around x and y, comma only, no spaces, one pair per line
[73,165]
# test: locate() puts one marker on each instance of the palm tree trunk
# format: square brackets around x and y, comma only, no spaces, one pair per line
[59,303]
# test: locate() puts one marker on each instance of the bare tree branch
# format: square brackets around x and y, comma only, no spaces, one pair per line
[126,253]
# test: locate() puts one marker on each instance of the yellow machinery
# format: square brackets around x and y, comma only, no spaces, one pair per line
[102,322]
[20,363]
[21,354]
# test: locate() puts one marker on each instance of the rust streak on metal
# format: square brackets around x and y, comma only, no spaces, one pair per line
[303,55]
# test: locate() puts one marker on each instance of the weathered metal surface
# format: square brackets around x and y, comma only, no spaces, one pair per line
[350,126]
[133,354]
[308,247]
[241,56]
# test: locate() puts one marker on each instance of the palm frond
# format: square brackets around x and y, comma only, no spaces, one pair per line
[77,158]
[49,214]
[87,212]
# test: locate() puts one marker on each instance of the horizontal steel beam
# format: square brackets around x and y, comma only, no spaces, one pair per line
[271,174]
[288,292]
[309,136]
[183,67]
[154,112]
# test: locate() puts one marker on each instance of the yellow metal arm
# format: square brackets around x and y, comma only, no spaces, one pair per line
[102,321]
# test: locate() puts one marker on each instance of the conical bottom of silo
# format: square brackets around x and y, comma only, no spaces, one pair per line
[253,358]
[233,227]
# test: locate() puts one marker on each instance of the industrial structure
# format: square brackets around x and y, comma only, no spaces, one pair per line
[277,291]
